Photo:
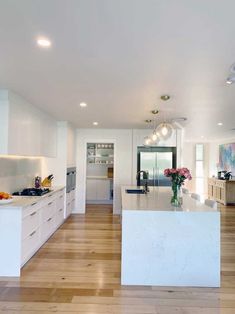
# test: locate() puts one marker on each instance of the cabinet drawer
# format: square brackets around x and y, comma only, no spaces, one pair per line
[30,223]
[59,217]
[60,202]
[31,208]
[48,211]
[72,195]
[48,227]
[30,245]
[220,184]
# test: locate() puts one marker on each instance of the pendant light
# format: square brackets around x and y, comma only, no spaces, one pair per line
[164,130]
[147,141]
[155,135]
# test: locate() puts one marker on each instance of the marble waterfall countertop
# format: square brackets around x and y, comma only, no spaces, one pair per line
[164,245]
[23,201]
[158,199]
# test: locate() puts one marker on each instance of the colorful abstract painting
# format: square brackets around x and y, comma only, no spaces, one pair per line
[227,157]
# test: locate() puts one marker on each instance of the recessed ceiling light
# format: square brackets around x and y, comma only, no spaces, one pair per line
[165,97]
[43,42]
[219,123]
[83,104]
[155,111]
[95,123]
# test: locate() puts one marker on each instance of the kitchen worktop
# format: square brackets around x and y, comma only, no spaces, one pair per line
[158,199]
[99,177]
[164,245]
[23,201]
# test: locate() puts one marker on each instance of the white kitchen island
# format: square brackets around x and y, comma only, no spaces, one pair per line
[169,246]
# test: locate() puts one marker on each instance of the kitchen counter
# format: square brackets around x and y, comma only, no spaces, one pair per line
[158,199]
[25,225]
[99,177]
[23,201]
[169,246]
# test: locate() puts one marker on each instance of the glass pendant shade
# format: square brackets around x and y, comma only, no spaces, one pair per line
[164,130]
[155,137]
[147,141]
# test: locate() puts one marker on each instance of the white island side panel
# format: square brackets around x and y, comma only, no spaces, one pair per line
[166,248]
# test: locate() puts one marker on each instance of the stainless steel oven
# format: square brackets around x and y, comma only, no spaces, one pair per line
[71,179]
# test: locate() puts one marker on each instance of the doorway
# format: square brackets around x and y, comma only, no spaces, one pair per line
[155,160]
[99,174]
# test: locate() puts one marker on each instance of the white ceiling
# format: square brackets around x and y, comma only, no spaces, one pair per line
[120,56]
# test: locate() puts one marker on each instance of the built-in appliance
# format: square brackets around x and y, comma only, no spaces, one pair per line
[71,179]
[32,192]
[155,160]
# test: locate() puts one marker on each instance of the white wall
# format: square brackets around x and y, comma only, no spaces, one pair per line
[17,173]
[122,140]
[125,158]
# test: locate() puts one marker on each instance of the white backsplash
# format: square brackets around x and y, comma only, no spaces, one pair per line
[17,173]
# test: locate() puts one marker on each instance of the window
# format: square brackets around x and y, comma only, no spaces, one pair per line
[199,168]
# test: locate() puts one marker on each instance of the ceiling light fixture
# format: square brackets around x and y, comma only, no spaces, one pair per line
[95,123]
[83,104]
[219,123]
[164,130]
[165,97]
[43,42]
[147,141]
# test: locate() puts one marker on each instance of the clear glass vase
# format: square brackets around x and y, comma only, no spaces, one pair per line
[176,199]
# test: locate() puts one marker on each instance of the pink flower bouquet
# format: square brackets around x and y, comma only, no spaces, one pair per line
[178,176]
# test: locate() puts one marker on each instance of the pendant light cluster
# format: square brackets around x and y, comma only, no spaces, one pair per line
[162,132]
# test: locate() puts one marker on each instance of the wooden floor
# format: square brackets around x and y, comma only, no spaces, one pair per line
[78,271]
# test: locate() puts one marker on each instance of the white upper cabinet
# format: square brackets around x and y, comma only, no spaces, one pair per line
[25,129]
[71,146]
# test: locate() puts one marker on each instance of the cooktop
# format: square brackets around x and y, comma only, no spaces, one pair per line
[32,192]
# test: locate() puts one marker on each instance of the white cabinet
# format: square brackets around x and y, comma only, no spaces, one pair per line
[102,190]
[91,189]
[70,203]
[71,146]
[25,129]
[97,189]
[39,221]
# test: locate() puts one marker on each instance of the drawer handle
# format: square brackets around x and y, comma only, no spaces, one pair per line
[50,195]
[61,196]
[33,213]
[61,210]
[49,219]
[34,204]
[49,203]
[31,234]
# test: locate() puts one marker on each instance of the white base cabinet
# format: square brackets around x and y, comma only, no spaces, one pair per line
[70,203]
[39,221]
[25,225]
[97,190]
